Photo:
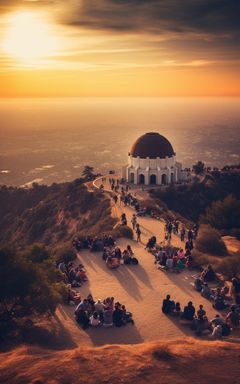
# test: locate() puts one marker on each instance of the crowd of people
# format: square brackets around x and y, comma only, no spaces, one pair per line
[114,257]
[198,320]
[94,244]
[170,258]
[106,313]
[220,295]
[74,275]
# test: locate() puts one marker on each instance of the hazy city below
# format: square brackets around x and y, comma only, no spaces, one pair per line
[50,140]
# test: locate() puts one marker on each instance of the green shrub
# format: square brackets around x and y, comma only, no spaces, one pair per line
[223,214]
[209,241]
[26,286]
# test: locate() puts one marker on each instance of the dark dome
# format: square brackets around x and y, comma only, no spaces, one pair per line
[152,145]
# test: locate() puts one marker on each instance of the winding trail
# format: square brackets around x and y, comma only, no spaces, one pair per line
[141,288]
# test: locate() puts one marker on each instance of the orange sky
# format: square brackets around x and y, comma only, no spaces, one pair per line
[57,49]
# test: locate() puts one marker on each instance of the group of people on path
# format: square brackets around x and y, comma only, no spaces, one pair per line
[106,313]
[114,257]
[75,275]
[198,320]
[94,244]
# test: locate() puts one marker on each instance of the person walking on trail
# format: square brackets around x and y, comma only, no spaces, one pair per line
[138,232]
[134,221]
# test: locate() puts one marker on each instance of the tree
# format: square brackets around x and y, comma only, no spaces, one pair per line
[27,286]
[198,168]
[88,173]
[223,214]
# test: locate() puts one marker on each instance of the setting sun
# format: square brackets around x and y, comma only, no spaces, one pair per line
[29,36]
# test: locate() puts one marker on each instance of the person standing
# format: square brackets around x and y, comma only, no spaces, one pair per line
[138,232]
[134,221]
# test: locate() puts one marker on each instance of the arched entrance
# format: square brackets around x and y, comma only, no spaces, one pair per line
[153,179]
[172,177]
[164,179]
[141,179]
[131,178]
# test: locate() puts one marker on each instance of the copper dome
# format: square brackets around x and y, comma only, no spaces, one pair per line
[152,145]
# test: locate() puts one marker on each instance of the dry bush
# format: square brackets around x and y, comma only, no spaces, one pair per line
[209,241]
[123,231]
[230,266]
[203,259]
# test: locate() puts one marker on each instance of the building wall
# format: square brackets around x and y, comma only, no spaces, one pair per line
[143,171]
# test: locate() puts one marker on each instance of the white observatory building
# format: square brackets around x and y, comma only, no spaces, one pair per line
[152,161]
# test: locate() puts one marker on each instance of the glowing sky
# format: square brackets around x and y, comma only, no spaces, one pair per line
[119,48]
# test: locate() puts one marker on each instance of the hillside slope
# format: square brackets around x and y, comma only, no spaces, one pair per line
[177,362]
[52,214]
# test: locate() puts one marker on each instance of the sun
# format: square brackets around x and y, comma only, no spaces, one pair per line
[29,36]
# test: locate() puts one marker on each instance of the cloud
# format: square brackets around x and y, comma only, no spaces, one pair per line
[209,16]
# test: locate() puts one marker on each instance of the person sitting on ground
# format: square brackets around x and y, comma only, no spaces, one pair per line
[94,320]
[73,296]
[109,302]
[82,305]
[118,253]
[82,317]
[180,254]
[130,251]
[198,284]
[201,320]
[206,291]
[180,266]
[176,309]
[169,263]
[159,256]
[189,311]
[189,262]
[80,275]
[217,320]
[175,260]
[232,317]
[126,257]
[62,267]
[167,305]
[208,274]
[118,315]
[112,262]
[108,317]
[217,333]
[164,259]
[127,316]
[99,306]
[219,302]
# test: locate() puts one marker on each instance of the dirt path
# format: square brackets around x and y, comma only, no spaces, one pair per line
[141,288]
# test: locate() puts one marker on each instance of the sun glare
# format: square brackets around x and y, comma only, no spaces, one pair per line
[29,36]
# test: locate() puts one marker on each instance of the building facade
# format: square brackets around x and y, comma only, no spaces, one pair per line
[152,161]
